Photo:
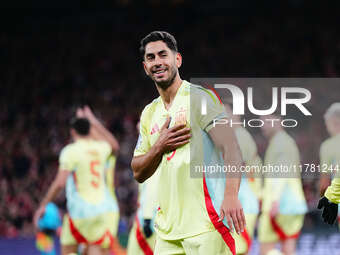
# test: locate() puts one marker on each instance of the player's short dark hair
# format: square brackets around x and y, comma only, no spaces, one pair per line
[81,126]
[155,36]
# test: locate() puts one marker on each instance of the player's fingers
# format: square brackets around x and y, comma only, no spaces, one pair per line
[324,212]
[221,216]
[325,215]
[88,112]
[321,203]
[177,127]
[166,124]
[181,138]
[179,144]
[180,132]
[230,223]
[80,113]
[235,222]
[332,219]
[326,219]
[241,219]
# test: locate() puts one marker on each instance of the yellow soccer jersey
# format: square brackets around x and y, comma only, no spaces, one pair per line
[110,175]
[283,151]
[250,187]
[186,204]
[333,192]
[330,157]
[86,191]
[138,243]
[148,198]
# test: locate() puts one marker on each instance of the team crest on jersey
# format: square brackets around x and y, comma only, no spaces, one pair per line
[181,117]
[155,129]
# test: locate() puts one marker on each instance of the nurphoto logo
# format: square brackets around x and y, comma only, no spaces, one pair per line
[286,98]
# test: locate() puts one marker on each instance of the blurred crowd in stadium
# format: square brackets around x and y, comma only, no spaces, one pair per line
[50,69]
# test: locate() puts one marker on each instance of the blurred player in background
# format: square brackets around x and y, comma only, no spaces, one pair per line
[92,212]
[284,203]
[142,237]
[329,163]
[187,220]
[250,188]
[99,132]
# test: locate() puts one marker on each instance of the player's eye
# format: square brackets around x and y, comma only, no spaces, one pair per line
[150,57]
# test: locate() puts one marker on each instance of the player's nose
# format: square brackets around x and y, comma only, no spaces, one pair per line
[158,61]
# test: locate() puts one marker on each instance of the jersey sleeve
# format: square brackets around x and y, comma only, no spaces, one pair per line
[333,192]
[143,145]
[214,109]
[204,99]
[66,159]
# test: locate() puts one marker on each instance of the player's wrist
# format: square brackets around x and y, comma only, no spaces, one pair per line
[158,149]
[94,121]
[231,191]
[231,196]
[42,204]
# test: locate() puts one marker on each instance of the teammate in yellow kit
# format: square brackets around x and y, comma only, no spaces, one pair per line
[92,212]
[330,162]
[195,214]
[284,203]
[98,131]
[142,236]
[250,187]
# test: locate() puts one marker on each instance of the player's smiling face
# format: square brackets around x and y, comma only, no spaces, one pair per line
[161,63]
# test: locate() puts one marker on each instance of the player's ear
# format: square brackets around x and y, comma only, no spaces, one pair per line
[72,133]
[145,69]
[178,60]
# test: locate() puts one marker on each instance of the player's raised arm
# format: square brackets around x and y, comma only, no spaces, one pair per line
[99,131]
[169,139]
[57,185]
[224,138]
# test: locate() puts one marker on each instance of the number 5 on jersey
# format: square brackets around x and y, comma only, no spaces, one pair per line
[95,174]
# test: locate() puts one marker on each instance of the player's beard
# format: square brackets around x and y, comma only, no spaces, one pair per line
[167,83]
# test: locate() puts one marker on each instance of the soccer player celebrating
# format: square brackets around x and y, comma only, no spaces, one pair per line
[99,132]
[92,212]
[250,188]
[330,157]
[284,203]
[195,215]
